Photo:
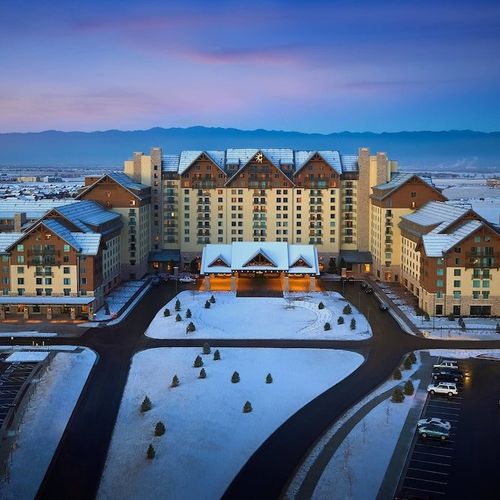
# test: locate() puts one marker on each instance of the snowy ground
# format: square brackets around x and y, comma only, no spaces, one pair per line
[28,334]
[208,437]
[118,298]
[466,353]
[27,356]
[45,420]
[439,327]
[355,471]
[260,318]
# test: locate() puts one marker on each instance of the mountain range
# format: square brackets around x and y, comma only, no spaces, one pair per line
[448,150]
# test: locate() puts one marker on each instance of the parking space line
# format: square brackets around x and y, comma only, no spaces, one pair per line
[426,491]
[433,454]
[428,462]
[426,480]
[429,471]
[436,447]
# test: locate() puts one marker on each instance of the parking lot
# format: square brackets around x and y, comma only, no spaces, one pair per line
[436,469]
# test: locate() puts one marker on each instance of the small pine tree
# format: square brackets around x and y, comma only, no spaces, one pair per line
[203,373]
[327,326]
[235,378]
[175,381]
[207,304]
[413,357]
[206,348]
[321,305]
[451,317]
[146,405]
[178,317]
[217,355]
[397,395]
[397,374]
[340,321]
[188,313]
[177,305]
[409,389]
[151,453]
[212,299]
[462,325]
[190,328]
[269,379]
[407,364]
[159,428]
[498,328]
[166,312]
[427,317]
[347,309]
[247,407]
[198,362]
[353,324]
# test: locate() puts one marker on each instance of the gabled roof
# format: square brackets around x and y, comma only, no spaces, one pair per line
[33,209]
[260,255]
[7,240]
[134,188]
[219,261]
[187,158]
[331,158]
[436,244]
[300,262]
[381,191]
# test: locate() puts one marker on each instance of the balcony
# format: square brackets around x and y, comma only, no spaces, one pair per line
[482,260]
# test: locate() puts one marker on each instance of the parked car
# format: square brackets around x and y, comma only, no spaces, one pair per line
[433,431]
[447,388]
[383,306]
[434,421]
[368,289]
[186,279]
[451,364]
[363,285]
[156,281]
[447,375]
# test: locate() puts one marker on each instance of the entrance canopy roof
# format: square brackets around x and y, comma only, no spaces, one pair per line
[46,300]
[253,256]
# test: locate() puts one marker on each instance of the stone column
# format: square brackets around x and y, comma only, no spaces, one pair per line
[72,313]
[2,312]
[233,283]
[206,283]
[312,283]
[286,283]
[49,312]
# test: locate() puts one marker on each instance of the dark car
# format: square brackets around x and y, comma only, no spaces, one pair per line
[368,289]
[363,285]
[383,306]
[448,375]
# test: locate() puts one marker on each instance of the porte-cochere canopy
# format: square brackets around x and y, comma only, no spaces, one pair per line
[247,256]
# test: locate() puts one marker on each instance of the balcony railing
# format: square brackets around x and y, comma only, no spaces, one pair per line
[482,259]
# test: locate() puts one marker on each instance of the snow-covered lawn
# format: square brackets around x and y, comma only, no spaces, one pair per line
[467,353]
[208,437]
[355,470]
[44,420]
[440,327]
[118,298]
[260,318]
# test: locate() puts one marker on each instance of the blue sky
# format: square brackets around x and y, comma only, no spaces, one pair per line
[313,66]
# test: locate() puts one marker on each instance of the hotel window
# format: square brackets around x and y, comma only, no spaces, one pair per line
[20,270]
[66,248]
[67,291]
[475,295]
[48,291]
[486,273]
[48,281]
[20,259]
[20,248]
[20,281]
[457,261]
[457,272]
[66,270]
[20,291]
[476,283]
[456,294]
[440,261]
[486,283]
[439,295]
[66,281]
[477,239]
[413,194]
[456,283]
[439,283]
[486,295]
[440,272]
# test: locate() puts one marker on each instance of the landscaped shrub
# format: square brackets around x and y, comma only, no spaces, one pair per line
[203,373]
[269,379]
[212,299]
[327,326]
[340,321]
[397,374]
[413,357]
[175,381]
[347,309]
[353,324]
[407,363]
[188,313]
[217,355]
[178,317]
[190,328]
[451,317]
[207,304]
[321,305]
[177,305]
[247,407]
[427,317]
[206,348]
[409,389]
[397,395]
[235,378]
[151,453]
[159,429]
[166,312]
[146,405]
[198,362]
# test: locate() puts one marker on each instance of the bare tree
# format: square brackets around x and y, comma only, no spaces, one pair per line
[387,412]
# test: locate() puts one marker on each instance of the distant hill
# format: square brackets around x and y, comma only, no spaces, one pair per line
[449,150]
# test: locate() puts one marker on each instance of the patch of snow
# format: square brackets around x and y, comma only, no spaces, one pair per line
[466,353]
[44,422]
[208,437]
[28,334]
[260,317]
[27,356]
[117,299]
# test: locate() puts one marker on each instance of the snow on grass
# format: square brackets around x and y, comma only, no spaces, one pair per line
[355,471]
[466,353]
[208,437]
[27,356]
[44,422]
[117,299]
[28,334]
[297,317]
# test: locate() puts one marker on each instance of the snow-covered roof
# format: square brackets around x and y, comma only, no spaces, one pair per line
[436,212]
[7,239]
[187,158]
[34,209]
[349,163]
[239,255]
[331,157]
[436,244]
[88,242]
[170,163]
[87,212]
[126,181]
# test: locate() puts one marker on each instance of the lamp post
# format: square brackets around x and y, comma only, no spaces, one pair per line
[176,274]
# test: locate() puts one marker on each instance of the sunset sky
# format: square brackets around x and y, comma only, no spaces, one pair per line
[313,66]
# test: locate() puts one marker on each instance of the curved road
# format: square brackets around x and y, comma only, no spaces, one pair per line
[78,462]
